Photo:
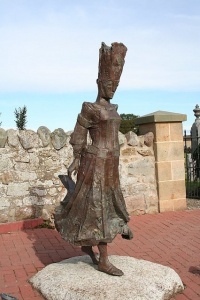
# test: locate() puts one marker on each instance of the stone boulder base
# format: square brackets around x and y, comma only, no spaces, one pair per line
[77,279]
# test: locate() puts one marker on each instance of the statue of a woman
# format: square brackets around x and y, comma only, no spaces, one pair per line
[96,210]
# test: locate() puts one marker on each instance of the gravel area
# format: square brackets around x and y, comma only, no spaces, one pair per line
[193,204]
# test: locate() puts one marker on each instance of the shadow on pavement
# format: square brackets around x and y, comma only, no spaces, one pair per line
[194,270]
[49,247]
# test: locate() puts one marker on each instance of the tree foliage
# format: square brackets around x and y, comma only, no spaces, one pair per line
[128,123]
[0,122]
[21,116]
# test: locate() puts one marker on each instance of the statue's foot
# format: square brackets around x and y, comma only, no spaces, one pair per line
[88,250]
[109,269]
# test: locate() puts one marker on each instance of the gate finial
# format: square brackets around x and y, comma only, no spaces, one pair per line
[196,111]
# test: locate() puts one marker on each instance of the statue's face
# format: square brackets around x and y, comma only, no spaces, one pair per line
[108,88]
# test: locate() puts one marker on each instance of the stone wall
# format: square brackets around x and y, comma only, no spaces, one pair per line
[30,163]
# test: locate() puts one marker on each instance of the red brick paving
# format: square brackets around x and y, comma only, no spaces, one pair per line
[171,239]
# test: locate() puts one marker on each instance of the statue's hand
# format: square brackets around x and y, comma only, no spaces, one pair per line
[73,167]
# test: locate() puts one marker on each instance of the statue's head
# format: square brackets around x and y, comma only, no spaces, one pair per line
[107,88]
[111,62]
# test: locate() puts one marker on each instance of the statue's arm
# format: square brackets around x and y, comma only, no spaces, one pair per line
[78,142]
[79,139]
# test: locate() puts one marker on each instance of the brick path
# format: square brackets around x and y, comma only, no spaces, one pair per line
[171,239]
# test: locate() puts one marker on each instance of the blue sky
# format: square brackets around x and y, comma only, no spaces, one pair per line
[49,57]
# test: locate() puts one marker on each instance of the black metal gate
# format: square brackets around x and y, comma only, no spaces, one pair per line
[192,165]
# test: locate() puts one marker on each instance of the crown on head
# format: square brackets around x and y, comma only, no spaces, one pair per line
[111,61]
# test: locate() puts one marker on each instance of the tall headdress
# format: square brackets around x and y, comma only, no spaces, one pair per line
[111,61]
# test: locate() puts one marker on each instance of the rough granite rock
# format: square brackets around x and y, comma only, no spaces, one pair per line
[122,138]
[148,139]
[3,137]
[58,138]
[45,135]
[132,138]
[77,279]
[28,139]
[13,140]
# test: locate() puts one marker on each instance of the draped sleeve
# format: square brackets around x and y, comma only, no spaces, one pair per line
[78,138]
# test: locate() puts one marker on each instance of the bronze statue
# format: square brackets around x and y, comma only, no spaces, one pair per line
[95,212]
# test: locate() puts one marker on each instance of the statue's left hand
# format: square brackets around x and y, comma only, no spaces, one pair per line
[73,168]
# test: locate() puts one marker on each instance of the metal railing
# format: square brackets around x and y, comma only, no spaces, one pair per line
[192,165]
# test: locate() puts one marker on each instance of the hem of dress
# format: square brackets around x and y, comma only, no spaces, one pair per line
[89,242]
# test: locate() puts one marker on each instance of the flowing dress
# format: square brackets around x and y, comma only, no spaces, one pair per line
[96,211]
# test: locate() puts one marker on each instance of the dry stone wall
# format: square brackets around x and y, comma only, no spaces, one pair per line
[30,163]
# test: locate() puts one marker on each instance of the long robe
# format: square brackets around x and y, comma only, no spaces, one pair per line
[96,211]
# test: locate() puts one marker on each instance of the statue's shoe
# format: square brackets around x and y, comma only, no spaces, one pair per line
[110,269]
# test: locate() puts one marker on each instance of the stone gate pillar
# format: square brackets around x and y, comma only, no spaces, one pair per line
[169,157]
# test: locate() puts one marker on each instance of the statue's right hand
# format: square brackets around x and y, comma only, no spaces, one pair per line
[73,167]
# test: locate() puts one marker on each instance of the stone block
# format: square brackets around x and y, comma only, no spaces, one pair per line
[3,189]
[4,215]
[53,191]
[5,163]
[30,200]
[26,176]
[162,132]
[170,190]
[49,164]
[39,191]
[143,166]
[22,156]
[149,180]
[163,171]
[49,200]
[7,176]
[18,189]
[128,185]
[166,205]
[173,205]
[5,202]
[180,204]
[34,161]
[176,131]
[128,151]
[17,202]
[178,170]
[145,151]
[11,215]
[22,167]
[135,204]
[151,210]
[169,151]
[24,213]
